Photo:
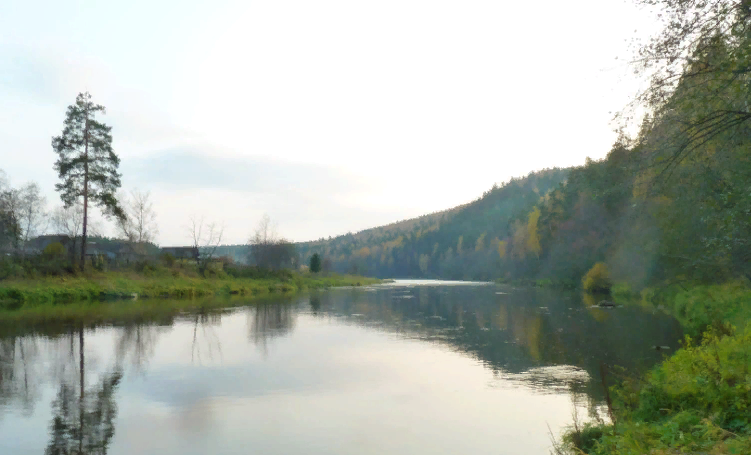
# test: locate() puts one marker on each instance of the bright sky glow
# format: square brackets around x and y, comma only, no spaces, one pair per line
[330,116]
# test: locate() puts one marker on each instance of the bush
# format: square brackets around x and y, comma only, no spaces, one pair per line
[168,259]
[9,269]
[597,279]
[585,439]
[55,266]
[150,269]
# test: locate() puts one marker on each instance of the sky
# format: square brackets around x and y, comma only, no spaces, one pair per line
[329,116]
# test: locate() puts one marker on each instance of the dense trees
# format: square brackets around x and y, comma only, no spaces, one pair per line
[694,147]
[86,164]
[464,242]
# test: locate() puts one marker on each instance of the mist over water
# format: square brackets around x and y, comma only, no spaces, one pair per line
[409,367]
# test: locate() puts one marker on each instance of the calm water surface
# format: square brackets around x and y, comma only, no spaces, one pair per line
[413,367]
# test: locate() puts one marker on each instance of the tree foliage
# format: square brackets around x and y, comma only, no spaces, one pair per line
[315,263]
[10,226]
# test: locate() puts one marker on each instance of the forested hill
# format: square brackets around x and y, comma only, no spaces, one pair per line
[464,242]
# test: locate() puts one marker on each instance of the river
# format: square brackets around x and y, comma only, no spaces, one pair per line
[411,367]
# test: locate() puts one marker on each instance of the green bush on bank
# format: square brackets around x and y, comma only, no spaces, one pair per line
[698,400]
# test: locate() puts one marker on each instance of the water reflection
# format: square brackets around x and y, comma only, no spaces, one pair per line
[205,340]
[324,361]
[18,373]
[136,344]
[519,333]
[269,320]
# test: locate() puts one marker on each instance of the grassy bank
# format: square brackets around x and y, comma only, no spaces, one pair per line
[696,401]
[126,294]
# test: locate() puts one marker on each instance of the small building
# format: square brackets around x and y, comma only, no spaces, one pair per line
[181,252]
[129,252]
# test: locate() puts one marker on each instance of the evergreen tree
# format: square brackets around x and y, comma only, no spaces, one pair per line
[86,164]
[315,263]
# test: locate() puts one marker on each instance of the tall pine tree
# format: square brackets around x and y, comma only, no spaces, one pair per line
[86,164]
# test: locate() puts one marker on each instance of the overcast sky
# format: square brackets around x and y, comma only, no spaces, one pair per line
[330,116]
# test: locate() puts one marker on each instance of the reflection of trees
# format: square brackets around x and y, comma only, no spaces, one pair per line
[206,322]
[315,303]
[522,336]
[135,345]
[267,321]
[17,378]
[82,421]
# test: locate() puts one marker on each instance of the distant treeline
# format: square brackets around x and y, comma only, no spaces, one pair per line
[459,243]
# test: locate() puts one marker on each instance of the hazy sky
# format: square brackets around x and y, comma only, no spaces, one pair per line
[330,116]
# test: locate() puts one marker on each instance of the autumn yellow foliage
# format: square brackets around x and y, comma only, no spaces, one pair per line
[533,238]
[597,279]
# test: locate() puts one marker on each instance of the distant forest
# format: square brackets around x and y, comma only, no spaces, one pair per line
[468,242]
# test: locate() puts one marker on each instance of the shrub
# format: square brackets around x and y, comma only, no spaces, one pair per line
[711,379]
[585,439]
[597,279]
[148,268]
[168,259]
[56,266]
[9,269]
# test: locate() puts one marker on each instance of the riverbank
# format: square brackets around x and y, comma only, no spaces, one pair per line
[699,399]
[102,296]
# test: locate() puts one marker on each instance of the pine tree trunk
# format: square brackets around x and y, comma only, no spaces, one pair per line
[85,192]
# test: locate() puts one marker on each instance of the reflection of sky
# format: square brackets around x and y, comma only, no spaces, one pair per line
[329,388]
[349,379]
[323,388]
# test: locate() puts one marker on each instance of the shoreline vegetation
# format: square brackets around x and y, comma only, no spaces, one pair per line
[129,295]
[698,400]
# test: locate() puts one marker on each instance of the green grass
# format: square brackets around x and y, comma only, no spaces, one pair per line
[700,306]
[107,295]
[698,400]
